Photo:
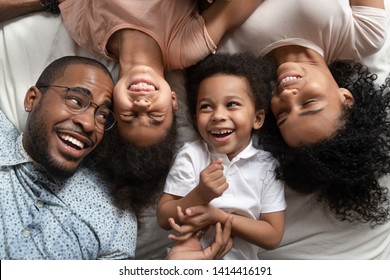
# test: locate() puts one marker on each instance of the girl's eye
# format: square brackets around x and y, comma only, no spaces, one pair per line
[127,117]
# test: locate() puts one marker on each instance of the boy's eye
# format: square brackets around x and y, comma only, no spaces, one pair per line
[204,107]
[233,104]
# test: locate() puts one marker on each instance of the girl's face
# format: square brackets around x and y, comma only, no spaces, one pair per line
[144,106]
[307,103]
[225,114]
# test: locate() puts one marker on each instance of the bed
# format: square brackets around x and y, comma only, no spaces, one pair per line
[29,43]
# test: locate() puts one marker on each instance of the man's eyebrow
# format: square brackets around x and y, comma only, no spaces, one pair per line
[106,103]
[305,113]
[81,89]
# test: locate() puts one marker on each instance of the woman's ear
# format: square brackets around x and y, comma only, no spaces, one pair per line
[259,119]
[346,97]
[31,98]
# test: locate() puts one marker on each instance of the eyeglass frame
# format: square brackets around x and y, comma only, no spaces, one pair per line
[83,109]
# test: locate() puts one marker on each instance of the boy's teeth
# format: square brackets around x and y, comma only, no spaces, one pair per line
[222,132]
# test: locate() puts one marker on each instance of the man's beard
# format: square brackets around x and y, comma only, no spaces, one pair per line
[37,129]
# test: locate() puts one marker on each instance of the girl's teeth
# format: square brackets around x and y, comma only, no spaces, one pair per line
[142,86]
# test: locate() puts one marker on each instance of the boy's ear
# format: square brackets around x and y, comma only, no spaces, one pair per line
[259,119]
[32,98]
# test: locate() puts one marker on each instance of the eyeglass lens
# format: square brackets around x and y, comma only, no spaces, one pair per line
[78,101]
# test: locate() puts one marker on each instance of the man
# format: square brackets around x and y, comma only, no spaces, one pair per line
[52,205]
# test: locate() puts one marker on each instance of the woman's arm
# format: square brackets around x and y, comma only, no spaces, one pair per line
[369,3]
[13,8]
[224,15]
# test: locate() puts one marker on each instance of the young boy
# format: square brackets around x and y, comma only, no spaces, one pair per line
[223,174]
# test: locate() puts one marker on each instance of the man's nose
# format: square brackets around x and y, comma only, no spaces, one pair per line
[86,119]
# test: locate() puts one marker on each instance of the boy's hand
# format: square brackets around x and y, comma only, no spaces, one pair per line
[212,182]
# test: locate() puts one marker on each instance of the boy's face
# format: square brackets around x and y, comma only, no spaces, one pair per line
[225,114]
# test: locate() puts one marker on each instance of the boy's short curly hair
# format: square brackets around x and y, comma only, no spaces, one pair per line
[344,170]
[259,73]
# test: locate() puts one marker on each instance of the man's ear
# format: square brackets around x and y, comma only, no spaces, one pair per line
[32,98]
[346,97]
[259,119]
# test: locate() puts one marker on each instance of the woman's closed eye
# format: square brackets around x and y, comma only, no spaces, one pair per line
[309,102]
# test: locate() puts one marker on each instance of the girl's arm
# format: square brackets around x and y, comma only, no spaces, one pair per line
[224,15]
[13,8]
[369,3]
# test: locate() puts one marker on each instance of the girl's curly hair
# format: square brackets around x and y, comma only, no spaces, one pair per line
[135,175]
[344,170]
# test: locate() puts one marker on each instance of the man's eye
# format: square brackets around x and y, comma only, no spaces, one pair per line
[75,102]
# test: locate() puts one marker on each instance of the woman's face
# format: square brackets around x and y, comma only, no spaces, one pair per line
[144,106]
[307,103]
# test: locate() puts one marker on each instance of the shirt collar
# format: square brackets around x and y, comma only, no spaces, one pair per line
[248,152]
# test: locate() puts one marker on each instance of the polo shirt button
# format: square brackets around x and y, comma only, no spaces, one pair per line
[39,203]
[26,233]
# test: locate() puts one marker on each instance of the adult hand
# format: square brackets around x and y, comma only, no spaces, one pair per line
[191,249]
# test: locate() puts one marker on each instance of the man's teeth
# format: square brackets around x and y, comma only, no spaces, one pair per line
[290,78]
[142,86]
[72,140]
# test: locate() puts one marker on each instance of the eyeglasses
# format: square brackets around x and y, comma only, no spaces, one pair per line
[78,100]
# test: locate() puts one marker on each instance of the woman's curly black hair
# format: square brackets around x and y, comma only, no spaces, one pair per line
[344,170]
[135,175]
